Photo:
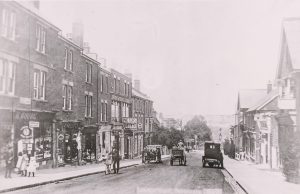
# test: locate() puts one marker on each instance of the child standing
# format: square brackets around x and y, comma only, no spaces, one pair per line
[108,161]
[24,164]
[32,166]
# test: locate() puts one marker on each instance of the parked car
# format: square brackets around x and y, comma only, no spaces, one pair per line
[152,153]
[212,155]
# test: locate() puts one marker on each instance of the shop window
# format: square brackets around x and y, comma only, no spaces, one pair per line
[43,141]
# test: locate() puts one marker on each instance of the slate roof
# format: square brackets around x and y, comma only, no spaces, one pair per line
[264,101]
[249,97]
[139,94]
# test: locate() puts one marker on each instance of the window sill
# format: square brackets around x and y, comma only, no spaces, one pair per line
[90,83]
[69,71]
[8,95]
[9,39]
[88,117]
[40,52]
[39,100]
[64,110]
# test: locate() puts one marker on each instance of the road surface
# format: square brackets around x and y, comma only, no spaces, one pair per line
[144,179]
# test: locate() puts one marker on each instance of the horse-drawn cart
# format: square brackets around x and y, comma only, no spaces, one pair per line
[179,155]
[152,153]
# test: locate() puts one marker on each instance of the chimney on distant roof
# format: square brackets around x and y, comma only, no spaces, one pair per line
[36,4]
[269,87]
[137,84]
[77,33]
[86,48]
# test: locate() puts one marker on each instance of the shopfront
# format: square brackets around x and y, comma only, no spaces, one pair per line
[88,144]
[68,142]
[34,135]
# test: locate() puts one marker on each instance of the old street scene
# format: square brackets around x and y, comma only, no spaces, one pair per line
[142,97]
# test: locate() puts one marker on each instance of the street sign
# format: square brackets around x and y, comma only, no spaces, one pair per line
[34,124]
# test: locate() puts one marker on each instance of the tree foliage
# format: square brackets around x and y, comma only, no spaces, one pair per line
[167,137]
[197,126]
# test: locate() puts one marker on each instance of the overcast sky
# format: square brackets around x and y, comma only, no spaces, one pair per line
[192,57]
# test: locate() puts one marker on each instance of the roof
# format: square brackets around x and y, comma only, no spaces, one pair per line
[139,94]
[264,101]
[291,30]
[249,97]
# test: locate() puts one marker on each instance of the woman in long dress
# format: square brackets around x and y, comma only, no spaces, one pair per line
[24,164]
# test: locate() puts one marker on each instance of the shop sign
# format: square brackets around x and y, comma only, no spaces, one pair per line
[131,121]
[118,98]
[26,132]
[34,124]
[61,137]
[26,116]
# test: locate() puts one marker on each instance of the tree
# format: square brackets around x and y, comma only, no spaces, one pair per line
[197,126]
[167,137]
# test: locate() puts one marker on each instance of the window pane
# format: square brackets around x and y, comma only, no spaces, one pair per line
[64,96]
[71,60]
[66,58]
[2,73]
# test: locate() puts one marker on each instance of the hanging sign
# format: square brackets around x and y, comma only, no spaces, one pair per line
[26,132]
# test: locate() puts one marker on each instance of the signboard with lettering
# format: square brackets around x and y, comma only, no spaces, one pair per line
[131,121]
[34,124]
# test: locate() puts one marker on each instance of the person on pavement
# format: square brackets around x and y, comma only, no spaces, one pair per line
[8,163]
[32,166]
[116,160]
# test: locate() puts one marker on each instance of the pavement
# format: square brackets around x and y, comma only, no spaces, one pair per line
[257,179]
[161,178]
[53,175]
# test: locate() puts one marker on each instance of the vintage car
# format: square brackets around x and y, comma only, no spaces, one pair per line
[152,153]
[179,155]
[212,155]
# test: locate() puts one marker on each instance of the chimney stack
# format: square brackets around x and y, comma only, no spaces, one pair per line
[269,87]
[137,84]
[77,33]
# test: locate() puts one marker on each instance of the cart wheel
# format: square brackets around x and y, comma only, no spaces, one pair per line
[185,162]
[203,164]
[171,162]
[222,166]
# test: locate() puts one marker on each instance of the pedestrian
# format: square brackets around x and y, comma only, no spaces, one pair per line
[116,160]
[24,164]
[32,166]
[18,166]
[108,161]
[9,163]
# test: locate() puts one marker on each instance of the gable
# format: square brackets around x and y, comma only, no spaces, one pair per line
[272,105]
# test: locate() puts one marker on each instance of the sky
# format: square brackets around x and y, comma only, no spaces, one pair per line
[192,56]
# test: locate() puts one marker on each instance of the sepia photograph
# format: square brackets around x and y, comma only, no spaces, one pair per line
[150,96]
